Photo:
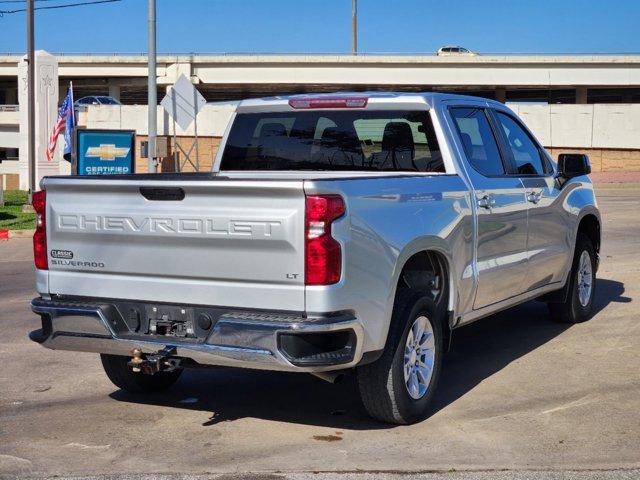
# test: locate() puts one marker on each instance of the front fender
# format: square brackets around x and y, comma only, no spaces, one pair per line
[579,201]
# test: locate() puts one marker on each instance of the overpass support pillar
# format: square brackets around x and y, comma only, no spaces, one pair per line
[581,95]
[11,96]
[114,91]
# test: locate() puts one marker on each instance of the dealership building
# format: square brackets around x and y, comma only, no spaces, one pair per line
[587,103]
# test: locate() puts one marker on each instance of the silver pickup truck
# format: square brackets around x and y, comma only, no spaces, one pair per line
[335,233]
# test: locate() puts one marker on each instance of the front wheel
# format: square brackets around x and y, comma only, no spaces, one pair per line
[578,305]
[398,387]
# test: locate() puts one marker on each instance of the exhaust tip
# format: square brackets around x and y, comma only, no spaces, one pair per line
[331,377]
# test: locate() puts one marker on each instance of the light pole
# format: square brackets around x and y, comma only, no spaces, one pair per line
[31,94]
[152,97]
[354,27]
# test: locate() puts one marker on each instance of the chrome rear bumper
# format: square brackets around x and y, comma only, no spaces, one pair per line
[238,338]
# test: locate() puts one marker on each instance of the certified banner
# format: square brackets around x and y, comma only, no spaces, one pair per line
[105,152]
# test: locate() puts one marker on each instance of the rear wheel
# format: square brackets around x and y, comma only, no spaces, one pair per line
[398,387]
[578,305]
[116,368]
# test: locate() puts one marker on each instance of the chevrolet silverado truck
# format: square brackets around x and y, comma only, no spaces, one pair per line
[335,233]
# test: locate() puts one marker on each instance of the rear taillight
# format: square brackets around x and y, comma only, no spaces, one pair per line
[323,255]
[39,202]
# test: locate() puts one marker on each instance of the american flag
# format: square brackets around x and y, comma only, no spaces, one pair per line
[66,120]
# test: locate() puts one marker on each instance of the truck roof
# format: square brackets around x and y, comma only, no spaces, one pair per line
[427,98]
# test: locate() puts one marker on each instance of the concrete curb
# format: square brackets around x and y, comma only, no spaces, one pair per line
[600,185]
[20,233]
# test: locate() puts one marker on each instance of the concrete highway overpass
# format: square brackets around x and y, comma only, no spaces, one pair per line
[542,78]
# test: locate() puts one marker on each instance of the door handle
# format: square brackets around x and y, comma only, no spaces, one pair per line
[534,197]
[486,201]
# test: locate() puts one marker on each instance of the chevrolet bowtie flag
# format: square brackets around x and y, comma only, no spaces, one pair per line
[67,120]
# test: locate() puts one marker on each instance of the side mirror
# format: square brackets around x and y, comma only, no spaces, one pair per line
[573,165]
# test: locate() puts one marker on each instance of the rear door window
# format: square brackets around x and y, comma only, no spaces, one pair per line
[359,140]
[478,140]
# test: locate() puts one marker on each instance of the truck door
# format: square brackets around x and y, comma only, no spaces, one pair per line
[548,244]
[501,206]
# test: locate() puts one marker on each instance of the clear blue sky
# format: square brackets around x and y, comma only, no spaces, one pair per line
[315,26]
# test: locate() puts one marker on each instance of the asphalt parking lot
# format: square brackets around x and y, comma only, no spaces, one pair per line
[518,392]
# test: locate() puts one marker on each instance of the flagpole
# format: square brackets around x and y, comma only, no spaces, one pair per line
[73,110]
[71,133]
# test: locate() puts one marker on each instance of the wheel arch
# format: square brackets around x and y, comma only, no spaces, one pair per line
[590,225]
[417,269]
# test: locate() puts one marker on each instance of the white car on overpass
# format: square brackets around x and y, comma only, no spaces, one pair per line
[454,50]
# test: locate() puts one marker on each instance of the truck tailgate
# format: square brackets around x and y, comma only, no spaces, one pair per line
[228,242]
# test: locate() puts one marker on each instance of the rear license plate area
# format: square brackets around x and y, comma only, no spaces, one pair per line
[165,320]
[169,321]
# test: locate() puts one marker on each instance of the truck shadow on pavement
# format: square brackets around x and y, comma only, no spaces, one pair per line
[478,351]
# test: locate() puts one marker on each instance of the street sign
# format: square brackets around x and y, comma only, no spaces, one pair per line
[105,152]
[183,102]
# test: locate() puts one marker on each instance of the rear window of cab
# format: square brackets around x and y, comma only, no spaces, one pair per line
[338,140]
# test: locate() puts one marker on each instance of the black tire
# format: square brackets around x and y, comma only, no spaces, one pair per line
[381,383]
[571,309]
[123,377]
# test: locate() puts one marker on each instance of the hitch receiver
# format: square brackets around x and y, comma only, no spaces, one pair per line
[161,361]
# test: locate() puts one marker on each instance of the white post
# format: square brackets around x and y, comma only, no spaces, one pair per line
[46,111]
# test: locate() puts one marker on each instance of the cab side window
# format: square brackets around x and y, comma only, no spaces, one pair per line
[526,154]
[478,140]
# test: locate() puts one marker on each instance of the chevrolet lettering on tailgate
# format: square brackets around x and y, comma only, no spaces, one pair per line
[201,226]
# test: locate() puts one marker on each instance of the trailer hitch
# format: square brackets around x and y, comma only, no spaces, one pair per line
[161,361]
